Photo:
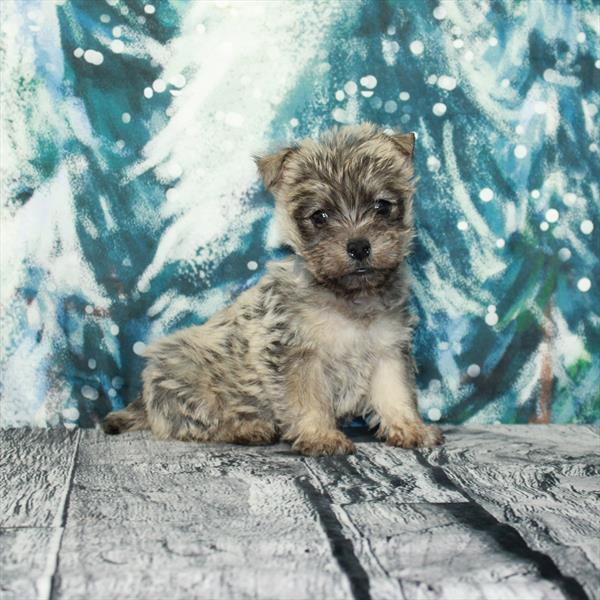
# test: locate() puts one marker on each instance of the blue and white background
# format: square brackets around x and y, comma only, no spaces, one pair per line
[131,206]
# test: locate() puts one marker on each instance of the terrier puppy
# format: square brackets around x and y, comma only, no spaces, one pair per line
[325,334]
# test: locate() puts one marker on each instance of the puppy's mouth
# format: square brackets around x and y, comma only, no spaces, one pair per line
[363,271]
[363,277]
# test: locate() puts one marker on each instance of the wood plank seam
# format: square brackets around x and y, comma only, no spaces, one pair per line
[342,547]
[507,536]
[46,583]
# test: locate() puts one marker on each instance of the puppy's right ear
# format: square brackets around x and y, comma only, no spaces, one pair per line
[271,167]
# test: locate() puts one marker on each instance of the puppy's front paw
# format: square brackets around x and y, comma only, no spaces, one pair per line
[414,434]
[322,444]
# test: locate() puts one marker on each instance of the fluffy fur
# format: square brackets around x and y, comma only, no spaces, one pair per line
[325,334]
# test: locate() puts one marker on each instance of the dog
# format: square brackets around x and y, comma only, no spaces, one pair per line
[325,335]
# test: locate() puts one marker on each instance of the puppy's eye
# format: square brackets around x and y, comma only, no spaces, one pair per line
[319,218]
[382,207]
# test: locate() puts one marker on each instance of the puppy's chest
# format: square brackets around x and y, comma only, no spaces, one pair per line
[350,351]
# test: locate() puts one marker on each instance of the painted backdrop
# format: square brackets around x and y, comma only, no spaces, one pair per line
[131,206]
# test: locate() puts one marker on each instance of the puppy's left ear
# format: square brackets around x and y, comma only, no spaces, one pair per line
[271,167]
[405,142]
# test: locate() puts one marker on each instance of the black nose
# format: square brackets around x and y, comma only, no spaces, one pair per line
[358,249]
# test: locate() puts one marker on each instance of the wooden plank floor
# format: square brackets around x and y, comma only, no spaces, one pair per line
[497,512]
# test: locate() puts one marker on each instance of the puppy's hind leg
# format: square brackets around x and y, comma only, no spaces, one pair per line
[248,430]
[132,418]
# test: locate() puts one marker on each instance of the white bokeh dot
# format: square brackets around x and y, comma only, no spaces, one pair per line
[390,107]
[112,392]
[564,254]
[138,348]
[178,80]
[148,92]
[433,164]
[71,413]
[417,47]
[544,226]
[368,81]
[404,96]
[89,309]
[581,37]
[446,82]
[93,57]
[500,243]
[434,414]
[439,12]
[87,391]
[535,194]
[552,215]
[339,95]
[350,88]
[462,225]
[294,122]
[473,370]
[114,329]
[584,284]
[439,109]
[586,227]
[491,318]
[520,151]
[149,9]
[159,86]
[252,265]
[491,308]
[117,46]
[78,52]
[126,117]
[486,194]
[92,363]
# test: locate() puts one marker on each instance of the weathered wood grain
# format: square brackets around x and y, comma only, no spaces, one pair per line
[498,512]
[34,470]
[25,569]
[120,560]
[542,480]
[435,550]
[185,520]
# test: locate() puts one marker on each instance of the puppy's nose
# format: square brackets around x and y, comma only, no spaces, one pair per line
[358,249]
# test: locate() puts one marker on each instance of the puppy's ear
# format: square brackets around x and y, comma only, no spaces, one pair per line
[271,167]
[405,142]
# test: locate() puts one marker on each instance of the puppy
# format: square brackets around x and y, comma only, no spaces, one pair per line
[325,334]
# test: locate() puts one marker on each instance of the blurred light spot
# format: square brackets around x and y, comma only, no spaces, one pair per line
[584,284]
[486,194]
[473,370]
[417,47]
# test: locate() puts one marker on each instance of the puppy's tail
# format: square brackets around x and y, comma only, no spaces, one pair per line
[132,418]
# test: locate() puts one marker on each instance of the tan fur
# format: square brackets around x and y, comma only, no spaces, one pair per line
[324,335]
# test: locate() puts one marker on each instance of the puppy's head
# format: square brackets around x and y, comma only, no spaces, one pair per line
[344,204]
